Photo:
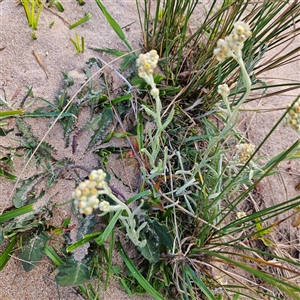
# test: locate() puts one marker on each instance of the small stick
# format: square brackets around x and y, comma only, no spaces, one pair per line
[40,62]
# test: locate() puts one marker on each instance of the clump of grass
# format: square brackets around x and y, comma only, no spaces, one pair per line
[187,52]
[78,44]
[33,9]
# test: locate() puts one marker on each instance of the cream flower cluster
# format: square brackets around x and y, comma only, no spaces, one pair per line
[292,118]
[86,193]
[234,42]
[146,64]
[244,151]
[223,90]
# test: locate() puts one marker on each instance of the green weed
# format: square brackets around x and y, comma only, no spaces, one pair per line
[78,45]
[33,9]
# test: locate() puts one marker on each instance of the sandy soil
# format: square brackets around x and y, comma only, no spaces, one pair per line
[19,68]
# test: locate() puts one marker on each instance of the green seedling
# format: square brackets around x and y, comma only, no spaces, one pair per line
[33,9]
[261,232]
[86,17]
[57,4]
[51,24]
[79,45]
[81,2]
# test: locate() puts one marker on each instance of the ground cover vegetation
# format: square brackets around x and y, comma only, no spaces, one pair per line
[187,220]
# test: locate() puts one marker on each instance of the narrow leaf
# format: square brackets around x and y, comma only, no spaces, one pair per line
[5,256]
[52,255]
[102,238]
[137,275]
[115,26]
[16,213]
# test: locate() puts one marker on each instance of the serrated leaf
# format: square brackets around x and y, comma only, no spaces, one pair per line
[73,273]
[44,151]
[68,79]
[32,252]
[22,193]
[102,125]
[68,122]
[25,129]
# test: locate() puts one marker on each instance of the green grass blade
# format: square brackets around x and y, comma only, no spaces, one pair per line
[113,23]
[102,238]
[138,196]
[86,17]
[40,7]
[5,256]
[4,114]
[137,275]
[286,287]
[58,6]
[16,213]
[86,238]
[52,255]
[199,283]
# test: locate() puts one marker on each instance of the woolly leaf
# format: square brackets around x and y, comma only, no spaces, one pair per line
[73,273]
[22,193]
[32,252]
[158,237]
[86,227]
[150,251]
